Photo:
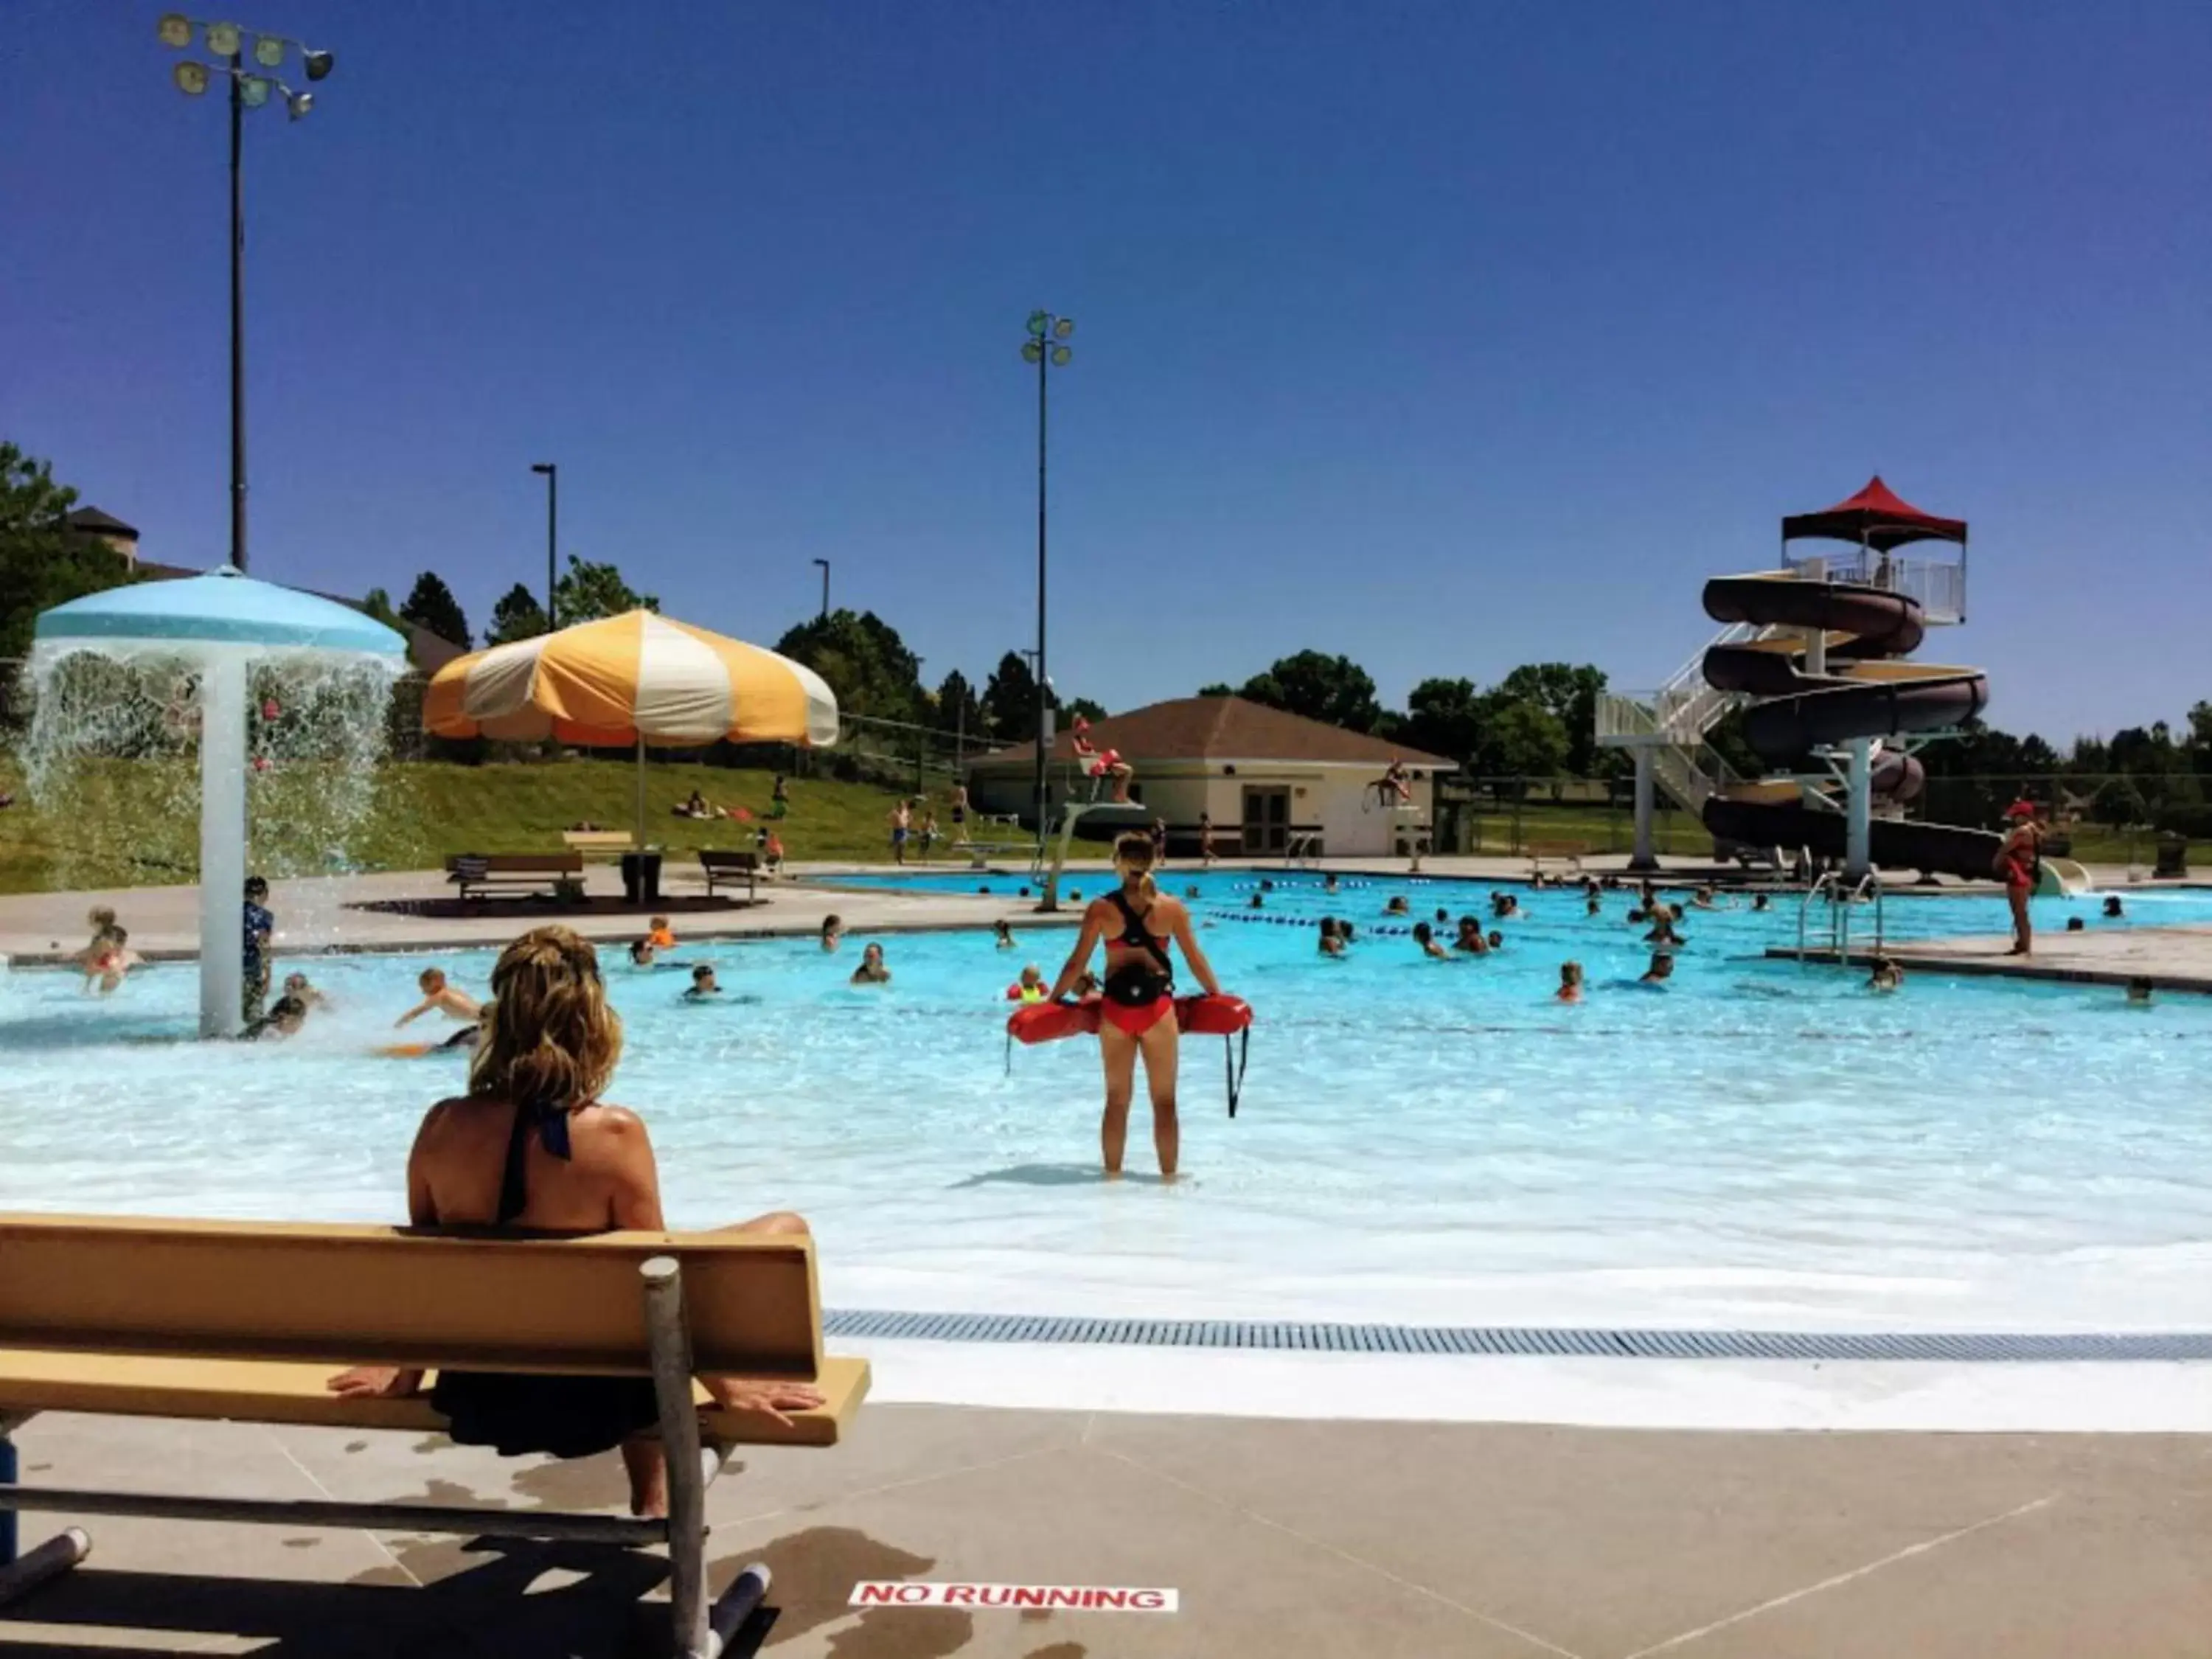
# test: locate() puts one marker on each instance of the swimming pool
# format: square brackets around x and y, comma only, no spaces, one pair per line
[1758,1145]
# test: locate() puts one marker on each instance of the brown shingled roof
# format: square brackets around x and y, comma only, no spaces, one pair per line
[1223,729]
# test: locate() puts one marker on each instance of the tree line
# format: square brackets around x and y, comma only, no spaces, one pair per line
[1536,722]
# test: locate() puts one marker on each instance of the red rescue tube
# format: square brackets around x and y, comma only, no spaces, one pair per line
[1048,1022]
[1215,1016]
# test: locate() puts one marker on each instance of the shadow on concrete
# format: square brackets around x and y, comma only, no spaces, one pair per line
[484,1599]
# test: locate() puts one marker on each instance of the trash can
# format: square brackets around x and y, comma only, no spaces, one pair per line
[641,874]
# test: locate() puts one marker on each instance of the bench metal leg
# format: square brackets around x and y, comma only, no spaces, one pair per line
[735,1605]
[671,1341]
[18,1576]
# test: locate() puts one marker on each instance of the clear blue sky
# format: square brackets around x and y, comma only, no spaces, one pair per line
[1446,335]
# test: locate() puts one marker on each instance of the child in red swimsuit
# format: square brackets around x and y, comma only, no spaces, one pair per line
[1137,923]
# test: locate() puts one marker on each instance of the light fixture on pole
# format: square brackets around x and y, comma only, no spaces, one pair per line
[551,472]
[824,563]
[229,42]
[1047,348]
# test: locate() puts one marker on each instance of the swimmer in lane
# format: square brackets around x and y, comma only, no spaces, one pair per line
[1332,942]
[871,970]
[703,985]
[1425,937]
[1137,923]
[1570,983]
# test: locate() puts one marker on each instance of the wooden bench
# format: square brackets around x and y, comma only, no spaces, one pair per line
[245,1321]
[599,843]
[1569,852]
[728,869]
[524,875]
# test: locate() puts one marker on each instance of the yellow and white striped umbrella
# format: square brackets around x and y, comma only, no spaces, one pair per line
[636,678]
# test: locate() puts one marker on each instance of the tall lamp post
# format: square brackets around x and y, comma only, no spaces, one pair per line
[232,43]
[1046,347]
[552,472]
[824,563]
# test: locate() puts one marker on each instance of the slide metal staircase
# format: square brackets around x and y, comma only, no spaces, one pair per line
[1673,722]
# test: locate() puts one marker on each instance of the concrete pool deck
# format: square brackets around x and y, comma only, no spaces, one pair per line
[2177,958]
[1389,1541]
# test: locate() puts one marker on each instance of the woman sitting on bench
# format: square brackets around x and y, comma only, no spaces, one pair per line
[530,1146]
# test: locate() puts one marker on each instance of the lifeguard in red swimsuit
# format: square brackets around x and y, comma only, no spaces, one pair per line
[1137,923]
[1098,765]
[2019,866]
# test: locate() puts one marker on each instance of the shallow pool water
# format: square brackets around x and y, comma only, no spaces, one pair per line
[1757,1144]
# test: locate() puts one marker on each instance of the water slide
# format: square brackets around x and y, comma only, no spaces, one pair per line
[1860,690]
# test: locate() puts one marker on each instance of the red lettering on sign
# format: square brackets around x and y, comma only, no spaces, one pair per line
[1147,1600]
[960,1596]
[876,1594]
[912,1593]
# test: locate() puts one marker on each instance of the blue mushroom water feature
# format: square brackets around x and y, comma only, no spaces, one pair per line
[218,628]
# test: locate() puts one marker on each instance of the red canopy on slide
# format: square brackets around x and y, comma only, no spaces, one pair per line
[1877,517]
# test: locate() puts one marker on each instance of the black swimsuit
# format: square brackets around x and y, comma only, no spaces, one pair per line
[518,1411]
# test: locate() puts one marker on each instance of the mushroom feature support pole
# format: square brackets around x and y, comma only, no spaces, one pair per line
[222,841]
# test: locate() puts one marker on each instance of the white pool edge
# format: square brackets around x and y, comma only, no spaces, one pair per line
[2078,1398]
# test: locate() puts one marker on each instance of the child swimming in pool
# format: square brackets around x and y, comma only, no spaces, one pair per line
[1497,940]
[112,959]
[1425,937]
[833,929]
[2139,989]
[296,985]
[871,970]
[1396,907]
[1003,934]
[1660,970]
[442,996]
[1590,906]
[703,985]
[1470,938]
[1570,983]
[1332,942]
[1030,988]
[1887,976]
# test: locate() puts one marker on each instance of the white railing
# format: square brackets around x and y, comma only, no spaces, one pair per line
[1939,584]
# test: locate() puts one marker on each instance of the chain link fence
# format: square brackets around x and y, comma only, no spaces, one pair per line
[2128,819]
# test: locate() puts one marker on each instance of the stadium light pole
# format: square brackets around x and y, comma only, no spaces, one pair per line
[552,470]
[1046,347]
[231,44]
[824,563]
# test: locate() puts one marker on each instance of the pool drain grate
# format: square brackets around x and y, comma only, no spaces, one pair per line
[1526,1342]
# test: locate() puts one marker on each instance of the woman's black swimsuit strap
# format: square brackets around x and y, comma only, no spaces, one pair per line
[1134,934]
[551,1123]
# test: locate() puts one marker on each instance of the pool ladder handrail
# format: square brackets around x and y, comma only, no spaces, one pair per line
[1839,913]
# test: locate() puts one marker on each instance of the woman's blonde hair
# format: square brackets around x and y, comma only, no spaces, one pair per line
[551,1039]
[1133,849]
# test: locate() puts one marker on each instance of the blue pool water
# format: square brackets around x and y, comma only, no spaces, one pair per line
[1426,1142]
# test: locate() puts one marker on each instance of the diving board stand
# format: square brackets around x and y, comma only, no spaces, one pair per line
[1115,816]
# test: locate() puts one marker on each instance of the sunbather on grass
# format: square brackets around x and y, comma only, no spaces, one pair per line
[532,1146]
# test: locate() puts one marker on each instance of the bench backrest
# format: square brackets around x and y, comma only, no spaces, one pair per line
[711,859]
[399,1296]
[599,840]
[519,864]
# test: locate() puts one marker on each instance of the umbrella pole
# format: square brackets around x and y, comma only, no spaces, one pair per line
[640,792]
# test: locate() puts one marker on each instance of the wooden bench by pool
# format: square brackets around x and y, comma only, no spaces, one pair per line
[728,869]
[526,875]
[1569,852]
[245,1321]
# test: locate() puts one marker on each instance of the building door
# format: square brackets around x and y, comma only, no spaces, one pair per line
[1266,820]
